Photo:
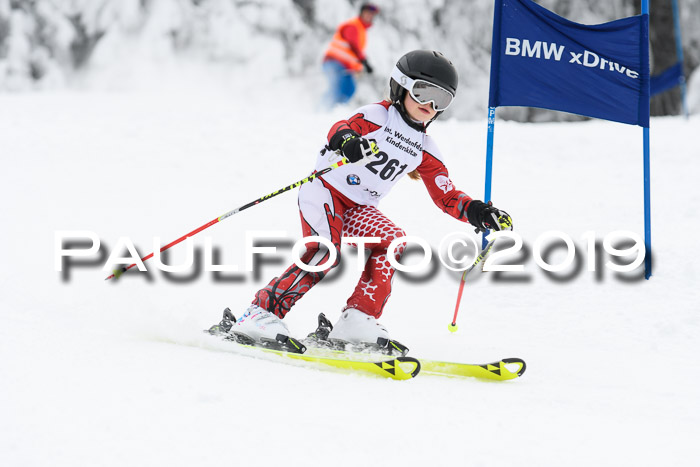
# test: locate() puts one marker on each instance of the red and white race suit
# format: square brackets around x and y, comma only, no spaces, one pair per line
[343,203]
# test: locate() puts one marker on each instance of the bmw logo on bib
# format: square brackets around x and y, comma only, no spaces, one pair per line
[353,179]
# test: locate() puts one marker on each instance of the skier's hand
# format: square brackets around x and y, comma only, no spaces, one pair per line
[353,146]
[356,148]
[367,66]
[485,216]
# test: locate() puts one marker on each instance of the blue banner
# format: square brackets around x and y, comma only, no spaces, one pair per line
[669,79]
[540,59]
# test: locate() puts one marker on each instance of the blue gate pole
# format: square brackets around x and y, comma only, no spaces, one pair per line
[679,54]
[489,165]
[647,190]
[647,207]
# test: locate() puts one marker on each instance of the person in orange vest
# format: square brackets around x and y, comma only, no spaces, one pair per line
[345,55]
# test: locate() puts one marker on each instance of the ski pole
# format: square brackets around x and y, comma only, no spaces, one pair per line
[453,325]
[343,161]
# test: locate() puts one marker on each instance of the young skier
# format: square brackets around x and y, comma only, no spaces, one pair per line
[384,142]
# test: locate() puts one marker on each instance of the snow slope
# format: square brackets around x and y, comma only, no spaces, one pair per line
[119,373]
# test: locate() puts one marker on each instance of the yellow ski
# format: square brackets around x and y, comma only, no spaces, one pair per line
[377,364]
[400,368]
[503,370]
[395,368]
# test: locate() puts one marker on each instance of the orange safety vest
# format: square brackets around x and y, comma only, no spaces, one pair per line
[341,51]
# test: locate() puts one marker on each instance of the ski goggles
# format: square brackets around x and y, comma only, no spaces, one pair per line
[423,91]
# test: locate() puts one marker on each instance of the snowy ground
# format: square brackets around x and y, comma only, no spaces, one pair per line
[119,373]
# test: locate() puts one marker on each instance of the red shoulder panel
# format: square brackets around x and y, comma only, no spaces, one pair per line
[357,123]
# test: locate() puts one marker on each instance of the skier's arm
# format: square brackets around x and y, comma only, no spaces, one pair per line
[347,135]
[445,196]
[456,203]
[367,119]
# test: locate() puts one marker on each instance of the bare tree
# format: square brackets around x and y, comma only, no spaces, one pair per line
[662,53]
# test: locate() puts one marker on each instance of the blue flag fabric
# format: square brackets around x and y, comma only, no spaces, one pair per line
[669,79]
[540,59]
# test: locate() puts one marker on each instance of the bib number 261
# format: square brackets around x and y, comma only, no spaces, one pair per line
[385,167]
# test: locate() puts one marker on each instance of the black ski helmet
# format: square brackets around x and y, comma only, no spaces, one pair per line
[427,65]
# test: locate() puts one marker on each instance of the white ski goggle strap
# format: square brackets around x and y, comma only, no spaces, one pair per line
[423,92]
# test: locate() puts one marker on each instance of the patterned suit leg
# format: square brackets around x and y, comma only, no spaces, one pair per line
[321,210]
[374,288]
